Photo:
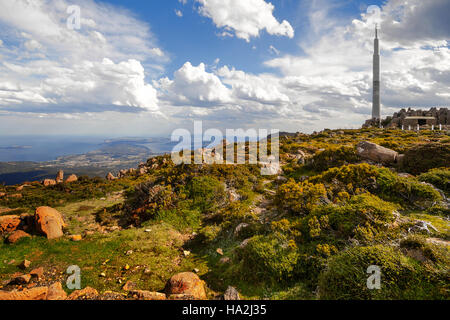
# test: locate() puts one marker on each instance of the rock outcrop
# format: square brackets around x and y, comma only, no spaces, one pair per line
[9,223]
[39,293]
[186,283]
[60,176]
[71,178]
[16,236]
[373,152]
[49,222]
[49,182]
[110,177]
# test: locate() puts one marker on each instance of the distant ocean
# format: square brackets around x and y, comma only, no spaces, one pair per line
[45,148]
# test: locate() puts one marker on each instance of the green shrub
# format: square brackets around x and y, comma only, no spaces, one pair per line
[401,278]
[299,198]
[268,257]
[362,217]
[207,193]
[333,157]
[439,177]
[183,220]
[355,179]
[424,157]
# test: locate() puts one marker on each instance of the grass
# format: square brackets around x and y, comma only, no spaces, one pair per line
[159,252]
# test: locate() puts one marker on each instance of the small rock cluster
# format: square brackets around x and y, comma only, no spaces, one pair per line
[46,221]
[60,179]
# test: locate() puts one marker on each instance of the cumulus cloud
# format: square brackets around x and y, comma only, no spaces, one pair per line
[193,85]
[246,19]
[102,64]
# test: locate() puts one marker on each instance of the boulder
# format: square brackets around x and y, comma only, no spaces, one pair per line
[129,286]
[186,283]
[9,223]
[110,177]
[231,294]
[39,293]
[60,176]
[25,264]
[147,295]
[373,152]
[49,182]
[49,222]
[17,235]
[56,292]
[76,237]
[37,273]
[86,293]
[71,178]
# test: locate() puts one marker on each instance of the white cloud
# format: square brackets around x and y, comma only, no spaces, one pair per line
[179,13]
[97,67]
[245,19]
[195,86]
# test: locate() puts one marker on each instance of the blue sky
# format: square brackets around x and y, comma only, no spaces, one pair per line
[145,68]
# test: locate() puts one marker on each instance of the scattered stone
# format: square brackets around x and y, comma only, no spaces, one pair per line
[86,293]
[25,264]
[72,178]
[147,295]
[49,222]
[49,182]
[21,279]
[371,151]
[240,227]
[186,253]
[16,236]
[219,251]
[17,196]
[103,275]
[225,260]
[56,292]
[37,273]
[60,176]
[186,283]
[196,270]
[110,177]
[244,243]
[129,252]
[76,237]
[39,293]
[420,226]
[231,294]
[9,223]
[148,230]
[182,297]
[129,286]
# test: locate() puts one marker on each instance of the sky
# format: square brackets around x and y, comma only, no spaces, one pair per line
[145,68]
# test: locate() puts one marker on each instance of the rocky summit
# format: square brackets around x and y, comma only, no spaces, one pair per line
[337,203]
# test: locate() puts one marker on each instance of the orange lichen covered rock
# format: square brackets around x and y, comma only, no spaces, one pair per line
[49,222]
[186,283]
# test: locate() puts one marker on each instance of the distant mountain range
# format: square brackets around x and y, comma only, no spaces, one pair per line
[111,156]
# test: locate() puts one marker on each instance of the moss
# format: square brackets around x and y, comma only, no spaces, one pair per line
[401,278]
[268,257]
[299,198]
[424,157]
[439,177]
[361,217]
[333,157]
